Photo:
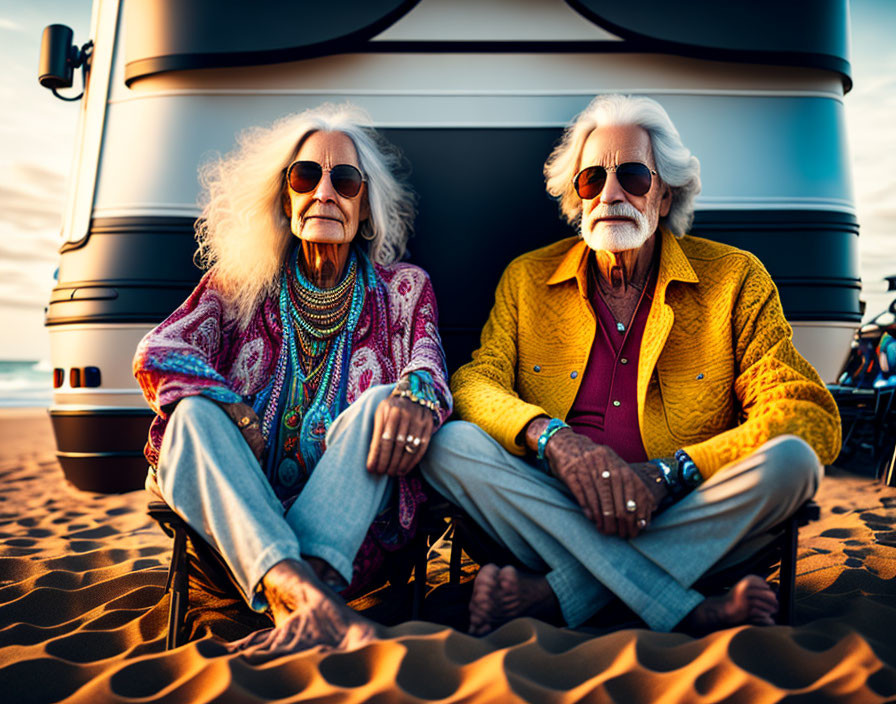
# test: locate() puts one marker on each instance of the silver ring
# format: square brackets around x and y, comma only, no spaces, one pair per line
[385,436]
[410,449]
[605,474]
[641,523]
[631,506]
[417,442]
[409,438]
[608,513]
[399,438]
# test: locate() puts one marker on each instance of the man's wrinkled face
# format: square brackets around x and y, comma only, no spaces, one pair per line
[615,220]
[322,214]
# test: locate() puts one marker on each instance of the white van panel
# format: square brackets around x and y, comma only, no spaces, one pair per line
[825,344]
[107,346]
[494,20]
[756,152]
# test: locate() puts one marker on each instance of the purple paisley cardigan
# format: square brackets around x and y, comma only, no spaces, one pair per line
[198,350]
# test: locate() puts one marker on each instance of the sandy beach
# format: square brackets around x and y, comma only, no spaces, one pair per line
[83,617]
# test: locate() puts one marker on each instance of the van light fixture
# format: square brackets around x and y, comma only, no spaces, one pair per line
[91,377]
[59,58]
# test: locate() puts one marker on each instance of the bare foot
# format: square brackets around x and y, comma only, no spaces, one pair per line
[751,600]
[306,614]
[325,573]
[500,595]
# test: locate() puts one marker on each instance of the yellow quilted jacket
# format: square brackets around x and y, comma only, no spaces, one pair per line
[718,374]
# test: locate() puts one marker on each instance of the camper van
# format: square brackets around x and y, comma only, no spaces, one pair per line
[475,93]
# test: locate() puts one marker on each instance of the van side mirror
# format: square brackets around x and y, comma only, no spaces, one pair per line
[59,59]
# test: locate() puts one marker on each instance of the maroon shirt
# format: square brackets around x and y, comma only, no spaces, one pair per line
[606,407]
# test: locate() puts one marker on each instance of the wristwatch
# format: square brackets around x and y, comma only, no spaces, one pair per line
[681,476]
[688,474]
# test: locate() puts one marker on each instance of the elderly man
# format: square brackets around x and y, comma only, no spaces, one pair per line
[636,408]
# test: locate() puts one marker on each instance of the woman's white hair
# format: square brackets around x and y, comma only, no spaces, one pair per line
[243,232]
[675,165]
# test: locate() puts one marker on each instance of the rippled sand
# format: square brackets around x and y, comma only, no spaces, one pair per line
[83,617]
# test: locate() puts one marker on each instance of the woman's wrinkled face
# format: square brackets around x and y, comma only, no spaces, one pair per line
[323,215]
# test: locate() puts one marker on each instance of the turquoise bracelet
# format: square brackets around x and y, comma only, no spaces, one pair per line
[419,388]
[680,479]
[553,426]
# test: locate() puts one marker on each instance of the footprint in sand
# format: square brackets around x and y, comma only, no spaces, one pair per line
[85,545]
[94,533]
[21,542]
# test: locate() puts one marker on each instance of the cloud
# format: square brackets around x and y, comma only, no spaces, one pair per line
[32,197]
[26,292]
[10,25]
[38,176]
[25,289]
[873,87]
[886,212]
[17,277]
[29,212]
[19,302]
[39,251]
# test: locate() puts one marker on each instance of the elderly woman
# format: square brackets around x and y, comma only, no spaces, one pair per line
[302,380]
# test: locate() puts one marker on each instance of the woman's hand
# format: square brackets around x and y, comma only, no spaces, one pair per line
[249,425]
[397,427]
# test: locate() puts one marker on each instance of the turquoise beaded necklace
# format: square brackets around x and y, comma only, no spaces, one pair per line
[309,386]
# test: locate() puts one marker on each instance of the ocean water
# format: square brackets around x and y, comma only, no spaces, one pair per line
[25,384]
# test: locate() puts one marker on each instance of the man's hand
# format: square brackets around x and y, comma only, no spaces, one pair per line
[601,482]
[249,425]
[398,425]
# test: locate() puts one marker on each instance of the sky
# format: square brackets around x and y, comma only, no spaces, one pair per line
[37,137]
[37,134]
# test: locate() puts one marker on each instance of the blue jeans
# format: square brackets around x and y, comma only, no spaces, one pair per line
[535,516]
[209,476]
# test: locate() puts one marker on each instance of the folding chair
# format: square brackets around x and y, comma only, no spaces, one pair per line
[868,418]
[186,540]
[779,549]
[191,554]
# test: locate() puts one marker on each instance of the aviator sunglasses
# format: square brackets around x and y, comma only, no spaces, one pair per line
[634,177]
[303,177]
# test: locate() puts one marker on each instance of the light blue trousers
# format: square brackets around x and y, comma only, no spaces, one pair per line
[209,476]
[536,517]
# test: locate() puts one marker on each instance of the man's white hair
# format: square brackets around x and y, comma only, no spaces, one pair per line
[243,232]
[675,164]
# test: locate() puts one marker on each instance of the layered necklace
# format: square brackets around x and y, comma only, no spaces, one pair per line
[318,316]
[309,385]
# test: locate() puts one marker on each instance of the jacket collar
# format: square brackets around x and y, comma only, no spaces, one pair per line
[674,264]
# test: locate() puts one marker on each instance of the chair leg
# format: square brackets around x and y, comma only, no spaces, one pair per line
[889,475]
[171,570]
[177,577]
[456,552]
[788,572]
[421,553]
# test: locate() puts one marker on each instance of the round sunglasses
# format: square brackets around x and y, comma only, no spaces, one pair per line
[634,177]
[303,177]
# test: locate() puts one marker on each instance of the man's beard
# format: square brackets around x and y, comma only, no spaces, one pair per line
[619,236]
